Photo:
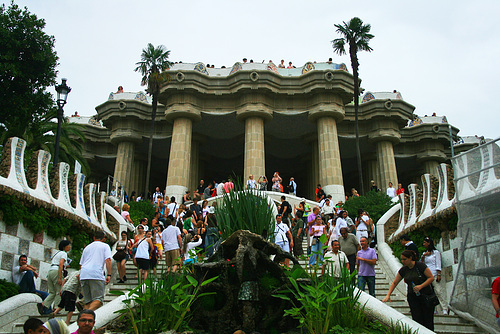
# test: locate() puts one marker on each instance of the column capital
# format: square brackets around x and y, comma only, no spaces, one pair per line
[183,110]
[384,130]
[327,110]
[125,135]
[254,110]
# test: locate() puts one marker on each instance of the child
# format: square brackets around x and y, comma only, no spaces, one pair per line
[69,291]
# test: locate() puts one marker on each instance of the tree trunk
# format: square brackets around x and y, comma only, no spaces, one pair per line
[150,148]
[355,66]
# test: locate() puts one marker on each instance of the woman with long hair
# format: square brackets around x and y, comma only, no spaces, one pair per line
[123,247]
[432,259]
[418,278]
[125,213]
[142,256]
[317,230]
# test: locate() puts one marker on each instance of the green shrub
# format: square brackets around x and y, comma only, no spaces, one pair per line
[375,203]
[245,210]
[418,239]
[7,289]
[141,209]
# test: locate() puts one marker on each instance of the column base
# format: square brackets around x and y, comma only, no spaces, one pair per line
[337,192]
[176,191]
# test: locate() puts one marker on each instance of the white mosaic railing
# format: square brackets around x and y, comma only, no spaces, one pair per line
[16,180]
[442,202]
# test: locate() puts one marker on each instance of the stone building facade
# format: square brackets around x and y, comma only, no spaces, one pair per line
[256,119]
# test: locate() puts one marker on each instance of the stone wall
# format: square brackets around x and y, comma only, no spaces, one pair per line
[17,240]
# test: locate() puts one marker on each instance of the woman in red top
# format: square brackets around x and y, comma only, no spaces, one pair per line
[400,189]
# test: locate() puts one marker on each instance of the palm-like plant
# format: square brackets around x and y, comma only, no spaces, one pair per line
[154,60]
[357,36]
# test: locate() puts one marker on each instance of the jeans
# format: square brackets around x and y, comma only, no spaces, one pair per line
[27,284]
[370,280]
[210,240]
[316,248]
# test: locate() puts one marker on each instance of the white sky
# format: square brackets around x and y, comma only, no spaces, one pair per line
[441,55]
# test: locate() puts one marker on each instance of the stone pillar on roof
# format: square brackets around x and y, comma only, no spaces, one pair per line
[179,163]
[254,115]
[326,114]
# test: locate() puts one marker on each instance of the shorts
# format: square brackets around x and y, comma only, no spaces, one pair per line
[284,246]
[172,257]
[68,301]
[92,289]
[142,263]
[159,246]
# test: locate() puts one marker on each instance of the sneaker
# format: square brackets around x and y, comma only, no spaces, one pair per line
[121,281]
[79,305]
[40,308]
[124,278]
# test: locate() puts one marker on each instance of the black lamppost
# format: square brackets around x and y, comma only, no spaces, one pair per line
[62,94]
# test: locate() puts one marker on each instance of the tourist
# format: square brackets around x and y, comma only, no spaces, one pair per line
[212,235]
[133,197]
[228,186]
[144,224]
[495,297]
[189,222]
[244,60]
[69,294]
[351,227]
[251,184]
[335,260]
[329,60]
[201,188]
[157,195]
[188,248]
[317,230]
[400,189]
[350,246]
[374,186]
[297,233]
[289,65]
[328,209]
[120,90]
[320,194]
[220,188]
[187,197]
[55,277]
[34,326]
[285,209]
[85,321]
[341,222]
[172,243]
[94,258]
[262,181]
[391,191]
[354,192]
[156,238]
[432,259]
[125,214]
[363,225]
[292,187]
[196,208]
[142,256]
[418,278]
[172,209]
[162,210]
[204,209]
[123,248]
[24,275]
[56,326]
[276,180]
[299,209]
[207,193]
[311,218]
[282,64]
[366,260]
[283,237]
[408,244]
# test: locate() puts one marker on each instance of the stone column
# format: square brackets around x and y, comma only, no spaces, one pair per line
[430,167]
[314,168]
[138,176]
[179,163]
[371,172]
[194,177]
[254,116]
[326,116]
[124,164]
[386,165]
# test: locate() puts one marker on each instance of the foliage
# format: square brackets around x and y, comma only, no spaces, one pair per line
[7,289]
[418,239]
[375,203]
[399,328]
[37,220]
[333,300]
[244,209]
[27,67]
[166,298]
[141,209]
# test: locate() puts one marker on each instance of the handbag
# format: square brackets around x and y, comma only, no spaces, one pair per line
[430,297]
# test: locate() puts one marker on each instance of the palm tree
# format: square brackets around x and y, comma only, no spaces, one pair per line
[357,36]
[154,60]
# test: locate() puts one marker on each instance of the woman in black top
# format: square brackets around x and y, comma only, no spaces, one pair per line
[418,278]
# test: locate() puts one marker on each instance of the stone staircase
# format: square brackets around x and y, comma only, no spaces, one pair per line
[443,324]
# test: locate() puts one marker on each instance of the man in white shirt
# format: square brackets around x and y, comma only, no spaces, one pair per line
[94,258]
[172,245]
[24,275]
[156,195]
[391,191]
[328,209]
[335,260]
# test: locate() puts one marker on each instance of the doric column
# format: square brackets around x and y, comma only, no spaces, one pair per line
[194,177]
[430,166]
[330,167]
[254,116]
[138,176]
[386,164]
[179,163]
[124,164]
[370,172]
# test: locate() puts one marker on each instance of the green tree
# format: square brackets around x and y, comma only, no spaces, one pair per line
[357,36]
[154,61]
[27,67]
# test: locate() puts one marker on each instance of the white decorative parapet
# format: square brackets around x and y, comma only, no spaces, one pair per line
[16,179]
[426,209]
[442,201]
[17,309]
[412,213]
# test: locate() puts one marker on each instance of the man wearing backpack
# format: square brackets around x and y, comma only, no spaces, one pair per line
[285,208]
